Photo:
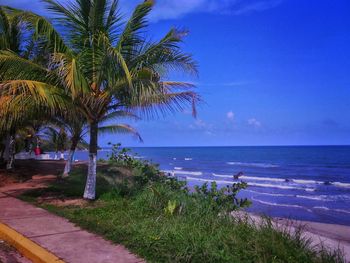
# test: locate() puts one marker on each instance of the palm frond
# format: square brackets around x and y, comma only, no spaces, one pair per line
[13,66]
[69,71]
[118,114]
[130,37]
[120,129]
[39,92]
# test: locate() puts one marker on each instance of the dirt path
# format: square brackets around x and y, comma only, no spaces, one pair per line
[30,174]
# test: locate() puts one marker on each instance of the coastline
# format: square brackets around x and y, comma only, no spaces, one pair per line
[330,236]
[333,236]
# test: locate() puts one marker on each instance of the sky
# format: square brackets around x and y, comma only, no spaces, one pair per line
[271,72]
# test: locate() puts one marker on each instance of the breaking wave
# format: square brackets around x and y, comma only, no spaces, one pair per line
[339,184]
[282,180]
[262,165]
[335,210]
[288,187]
[282,205]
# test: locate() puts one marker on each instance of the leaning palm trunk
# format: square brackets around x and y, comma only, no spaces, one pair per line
[90,187]
[6,153]
[11,153]
[68,166]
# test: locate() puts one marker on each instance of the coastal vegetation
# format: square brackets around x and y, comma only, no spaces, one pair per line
[158,218]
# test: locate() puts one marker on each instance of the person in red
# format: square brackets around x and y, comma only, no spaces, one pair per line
[37,150]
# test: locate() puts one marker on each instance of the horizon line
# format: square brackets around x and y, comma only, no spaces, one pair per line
[285,145]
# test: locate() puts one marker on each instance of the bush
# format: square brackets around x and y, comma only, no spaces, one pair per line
[146,174]
[161,220]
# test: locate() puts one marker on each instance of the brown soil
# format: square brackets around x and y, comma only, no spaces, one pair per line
[56,201]
[30,174]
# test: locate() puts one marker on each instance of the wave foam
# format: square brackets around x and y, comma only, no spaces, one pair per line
[178,168]
[282,205]
[262,165]
[222,175]
[207,180]
[282,180]
[269,194]
[346,185]
[272,179]
[262,178]
[324,198]
[187,172]
[286,187]
[313,197]
[188,159]
[301,181]
[335,210]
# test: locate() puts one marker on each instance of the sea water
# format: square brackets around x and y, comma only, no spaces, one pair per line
[299,182]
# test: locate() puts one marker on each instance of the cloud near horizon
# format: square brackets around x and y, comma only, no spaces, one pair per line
[254,122]
[230,115]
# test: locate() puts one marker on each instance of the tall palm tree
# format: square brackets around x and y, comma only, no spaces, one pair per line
[10,38]
[16,38]
[77,127]
[105,65]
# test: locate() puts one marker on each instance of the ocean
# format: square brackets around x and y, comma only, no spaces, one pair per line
[298,182]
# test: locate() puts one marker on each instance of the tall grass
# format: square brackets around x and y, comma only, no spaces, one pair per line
[162,222]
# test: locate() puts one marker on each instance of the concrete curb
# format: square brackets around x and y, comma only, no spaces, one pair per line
[28,248]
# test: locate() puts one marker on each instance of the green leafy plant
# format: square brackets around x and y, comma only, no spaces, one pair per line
[171,207]
[222,199]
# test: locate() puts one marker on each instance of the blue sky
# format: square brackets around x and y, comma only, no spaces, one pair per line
[272,72]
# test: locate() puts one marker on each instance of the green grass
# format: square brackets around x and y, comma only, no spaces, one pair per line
[141,218]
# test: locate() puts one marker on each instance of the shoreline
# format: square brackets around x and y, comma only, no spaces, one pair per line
[331,236]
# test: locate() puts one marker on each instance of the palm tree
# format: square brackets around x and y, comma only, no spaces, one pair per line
[59,139]
[16,39]
[77,127]
[105,65]
[10,38]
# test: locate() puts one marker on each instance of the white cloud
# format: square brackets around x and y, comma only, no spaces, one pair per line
[202,126]
[199,124]
[170,9]
[254,122]
[230,115]
[257,7]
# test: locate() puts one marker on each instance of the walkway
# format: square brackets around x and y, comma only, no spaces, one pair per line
[57,235]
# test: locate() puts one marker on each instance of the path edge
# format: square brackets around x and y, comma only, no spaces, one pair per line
[28,248]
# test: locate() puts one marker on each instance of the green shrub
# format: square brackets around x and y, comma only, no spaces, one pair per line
[161,220]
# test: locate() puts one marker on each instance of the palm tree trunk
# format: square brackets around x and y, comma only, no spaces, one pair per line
[11,152]
[68,166]
[7,148]
[90,187]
